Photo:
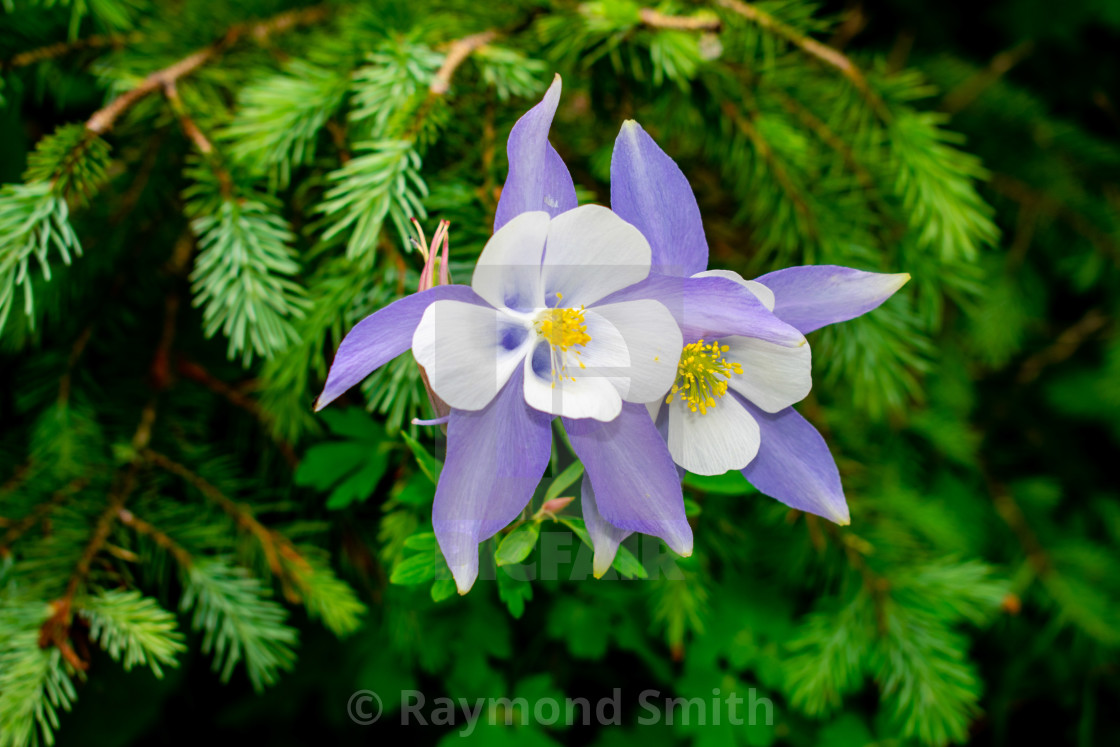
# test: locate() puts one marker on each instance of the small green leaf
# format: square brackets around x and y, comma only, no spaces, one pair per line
[564,480]
[323,464]
[417,490]
[628,565]
[360,485]
[514,589]
[517,545]
[442,589]
[415,570]
[353,423]
[577,526]
[729,483]
[429,465]
[421,542]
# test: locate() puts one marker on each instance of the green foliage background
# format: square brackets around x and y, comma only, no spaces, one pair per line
[185,548]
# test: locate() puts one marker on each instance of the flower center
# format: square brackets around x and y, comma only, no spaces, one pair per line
[563,329]
[702,375]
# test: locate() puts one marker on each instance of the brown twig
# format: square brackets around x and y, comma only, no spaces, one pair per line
[658,20]
[776,168]
[130,520]
[273,544]
[1024,194]
[855,21]
[190,129]
[56,629]
[195,372]
[1064,346]
[813,48]
[18,477]
[855,549]
[825,134]
[459,51]
[18,528]
[970,90]
[75,353]
[1013,516]
[195,134]
[103,119]
[51,51]
[337,132]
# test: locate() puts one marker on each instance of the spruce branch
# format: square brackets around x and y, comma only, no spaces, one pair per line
[239,620]
[34,685]
[34,220]
[56,630]
[105,118]
[278,119]
[826,135]
[813,48]
[245,269]
[276,547]
[777,169]
[132,629]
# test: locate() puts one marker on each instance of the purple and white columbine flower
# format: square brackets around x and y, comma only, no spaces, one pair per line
[730,407]
[542,280]
[537,334]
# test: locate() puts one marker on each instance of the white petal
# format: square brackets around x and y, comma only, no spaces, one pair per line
[652,342]
[591,253]
[774,377]
[585,397]
[725,437]
[760,291]
[469,351]
[508,273]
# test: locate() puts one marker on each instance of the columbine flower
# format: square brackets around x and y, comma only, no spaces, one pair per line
[630,483]
[730,407]
[541,281]
[535,335]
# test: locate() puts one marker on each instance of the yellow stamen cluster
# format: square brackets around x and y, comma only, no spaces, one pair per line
[702,375]
[563,329]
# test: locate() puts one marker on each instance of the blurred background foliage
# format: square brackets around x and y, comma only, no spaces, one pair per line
[201,197]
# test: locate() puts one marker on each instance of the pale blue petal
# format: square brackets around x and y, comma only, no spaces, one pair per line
[795,466]
[538,178]
[495,459]
[382,336]
[649,190]
[605,537]
[712,307]
[812,296]
[635,482]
